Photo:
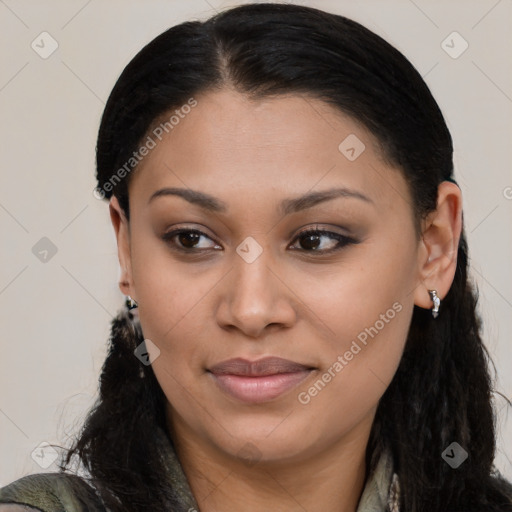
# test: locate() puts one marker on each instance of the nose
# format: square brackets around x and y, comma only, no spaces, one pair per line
[256,298]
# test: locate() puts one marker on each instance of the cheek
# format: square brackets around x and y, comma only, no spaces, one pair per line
[357,369]
[367,307]
[365,291]
[171,297]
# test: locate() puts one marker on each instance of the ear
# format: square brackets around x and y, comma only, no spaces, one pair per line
[122,232]
[437,254]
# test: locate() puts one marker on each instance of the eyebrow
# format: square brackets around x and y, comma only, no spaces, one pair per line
[287,206]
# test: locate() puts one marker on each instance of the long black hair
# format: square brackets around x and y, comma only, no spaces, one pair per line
[441,392]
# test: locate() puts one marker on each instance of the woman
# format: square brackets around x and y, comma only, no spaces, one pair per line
[300,332]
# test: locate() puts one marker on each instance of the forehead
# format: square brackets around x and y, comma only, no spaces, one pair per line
[279,146]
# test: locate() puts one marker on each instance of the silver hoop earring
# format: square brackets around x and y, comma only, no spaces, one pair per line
[437,302]
[130,303]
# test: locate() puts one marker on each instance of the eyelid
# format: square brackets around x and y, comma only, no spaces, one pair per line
[177,228]
[342,239]
[170,234]
[325,229]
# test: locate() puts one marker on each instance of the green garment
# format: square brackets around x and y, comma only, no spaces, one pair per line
[65,492]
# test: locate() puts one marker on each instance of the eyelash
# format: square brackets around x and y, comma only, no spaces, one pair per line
[343,240]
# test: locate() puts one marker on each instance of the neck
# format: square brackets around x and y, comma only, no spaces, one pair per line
[330,481]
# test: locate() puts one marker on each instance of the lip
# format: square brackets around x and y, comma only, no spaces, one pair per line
[258,381]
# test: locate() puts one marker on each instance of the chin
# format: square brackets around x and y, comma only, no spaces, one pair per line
[258,440]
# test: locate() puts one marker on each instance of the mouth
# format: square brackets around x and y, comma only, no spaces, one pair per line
[258,381]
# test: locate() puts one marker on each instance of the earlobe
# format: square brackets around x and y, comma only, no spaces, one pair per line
[122,232]
[437,255]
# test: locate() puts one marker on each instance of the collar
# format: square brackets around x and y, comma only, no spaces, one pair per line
[382,490]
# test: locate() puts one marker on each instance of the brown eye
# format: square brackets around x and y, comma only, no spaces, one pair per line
[186,240]
[311,240]
[189,239]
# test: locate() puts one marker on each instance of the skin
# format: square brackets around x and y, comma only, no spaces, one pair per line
[291,302]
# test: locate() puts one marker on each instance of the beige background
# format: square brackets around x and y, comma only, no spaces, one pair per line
[55,315]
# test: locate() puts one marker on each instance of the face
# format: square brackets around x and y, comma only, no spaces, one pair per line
[235,265]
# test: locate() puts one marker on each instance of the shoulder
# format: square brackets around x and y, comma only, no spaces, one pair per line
[49,492]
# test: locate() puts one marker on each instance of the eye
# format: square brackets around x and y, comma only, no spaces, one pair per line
[187,240]
[312,240]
